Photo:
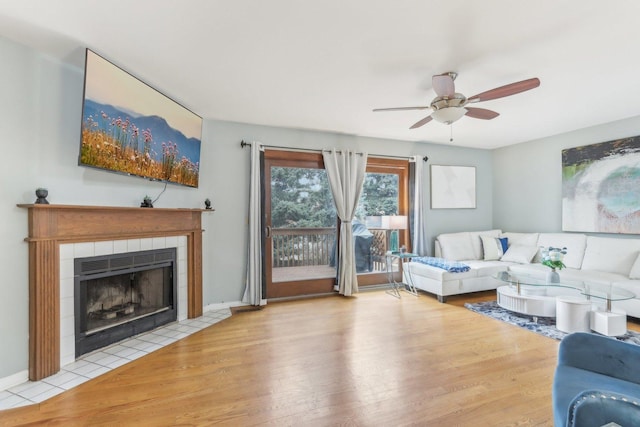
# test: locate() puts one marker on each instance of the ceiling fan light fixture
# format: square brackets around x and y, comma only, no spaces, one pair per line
[448,115]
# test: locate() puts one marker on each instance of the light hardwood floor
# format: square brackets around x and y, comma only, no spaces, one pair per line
[369,360]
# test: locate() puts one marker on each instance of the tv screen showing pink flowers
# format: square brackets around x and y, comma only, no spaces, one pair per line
[130,128]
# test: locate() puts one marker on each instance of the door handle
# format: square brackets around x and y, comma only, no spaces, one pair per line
[268,232]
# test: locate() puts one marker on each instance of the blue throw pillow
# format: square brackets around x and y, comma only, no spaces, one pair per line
[505,243]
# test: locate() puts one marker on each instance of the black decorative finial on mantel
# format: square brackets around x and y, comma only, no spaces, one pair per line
[42,194]
[146,202]
[207,204]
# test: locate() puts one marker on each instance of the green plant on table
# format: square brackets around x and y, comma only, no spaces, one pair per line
[552,257]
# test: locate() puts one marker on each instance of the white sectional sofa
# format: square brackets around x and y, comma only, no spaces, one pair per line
[603,260]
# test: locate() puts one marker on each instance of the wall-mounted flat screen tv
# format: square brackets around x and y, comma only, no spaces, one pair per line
[130,128]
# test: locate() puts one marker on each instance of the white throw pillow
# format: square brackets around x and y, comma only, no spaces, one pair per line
[528,239]
[456,246]
[635,269]
[610,254]
[476,242]
[492,247]
[522,254]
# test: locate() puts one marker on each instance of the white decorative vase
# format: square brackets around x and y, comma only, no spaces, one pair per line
[553,276]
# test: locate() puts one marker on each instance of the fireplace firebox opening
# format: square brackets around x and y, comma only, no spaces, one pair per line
[122,295]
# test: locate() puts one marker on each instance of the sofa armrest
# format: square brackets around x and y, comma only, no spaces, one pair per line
[604,355]
[598,408]
[438,249]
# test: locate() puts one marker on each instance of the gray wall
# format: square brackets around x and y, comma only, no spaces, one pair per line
[527,177]
[41,106]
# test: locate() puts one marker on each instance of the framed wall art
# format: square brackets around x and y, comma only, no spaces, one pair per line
[600,185]
[453,187]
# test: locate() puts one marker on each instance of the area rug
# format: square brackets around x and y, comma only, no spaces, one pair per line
[544,326]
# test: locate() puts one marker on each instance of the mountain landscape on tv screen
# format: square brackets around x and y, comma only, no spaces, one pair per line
[148,146]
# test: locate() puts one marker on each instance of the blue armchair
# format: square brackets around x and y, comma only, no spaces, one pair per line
[597,381]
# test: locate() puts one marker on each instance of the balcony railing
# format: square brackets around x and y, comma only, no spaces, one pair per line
[300,247]
[297,247]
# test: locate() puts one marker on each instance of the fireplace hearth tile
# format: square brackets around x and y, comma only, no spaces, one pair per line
[171,334]
[64,377]
[47,394]
[116,362]
[141,345]
[76,381]
[85,368]
[157,339]
[119,350]
[137,354]
[31,389]
[102,358]
[10,400]
[97,372]
[186,329]
[94,364]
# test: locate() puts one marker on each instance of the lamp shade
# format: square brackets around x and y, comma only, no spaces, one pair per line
[448,115]
[394,222]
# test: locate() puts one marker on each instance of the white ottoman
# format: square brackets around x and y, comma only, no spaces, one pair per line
[572,314]
[609,323]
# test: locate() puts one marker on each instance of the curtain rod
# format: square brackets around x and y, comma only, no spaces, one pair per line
[243,144]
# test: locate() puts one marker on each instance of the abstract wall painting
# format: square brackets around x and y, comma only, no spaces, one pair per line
[453,187]
[601,187]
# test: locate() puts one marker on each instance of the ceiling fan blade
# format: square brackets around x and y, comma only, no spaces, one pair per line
[421,122]
[481,113]
[443,84]
[401,108]
[507,90]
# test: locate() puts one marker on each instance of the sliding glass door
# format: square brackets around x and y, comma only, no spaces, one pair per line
[301,225]
[384,196]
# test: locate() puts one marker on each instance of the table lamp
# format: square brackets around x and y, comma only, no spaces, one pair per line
[394,223]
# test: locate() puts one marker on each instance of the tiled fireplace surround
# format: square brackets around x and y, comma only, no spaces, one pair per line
[60,233]
[70,251]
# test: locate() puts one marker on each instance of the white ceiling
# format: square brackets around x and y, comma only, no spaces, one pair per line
[325,64]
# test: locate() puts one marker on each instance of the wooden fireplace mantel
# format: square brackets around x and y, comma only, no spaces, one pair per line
[52,225]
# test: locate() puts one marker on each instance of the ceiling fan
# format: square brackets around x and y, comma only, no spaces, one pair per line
[449,105]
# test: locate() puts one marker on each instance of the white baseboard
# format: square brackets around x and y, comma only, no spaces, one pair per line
[13,380]
[221,305]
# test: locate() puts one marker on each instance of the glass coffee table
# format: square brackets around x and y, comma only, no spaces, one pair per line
[536,297]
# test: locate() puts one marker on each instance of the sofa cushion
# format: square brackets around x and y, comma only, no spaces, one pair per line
[630,285]
[476,240]
[493,247]
[456,246]
[635,269]
[575,244]
[611,254]
[529,239]
[521,254]
[488,268]
[436,273]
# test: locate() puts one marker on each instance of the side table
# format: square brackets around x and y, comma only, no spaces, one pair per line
[573,314]
[402,258]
